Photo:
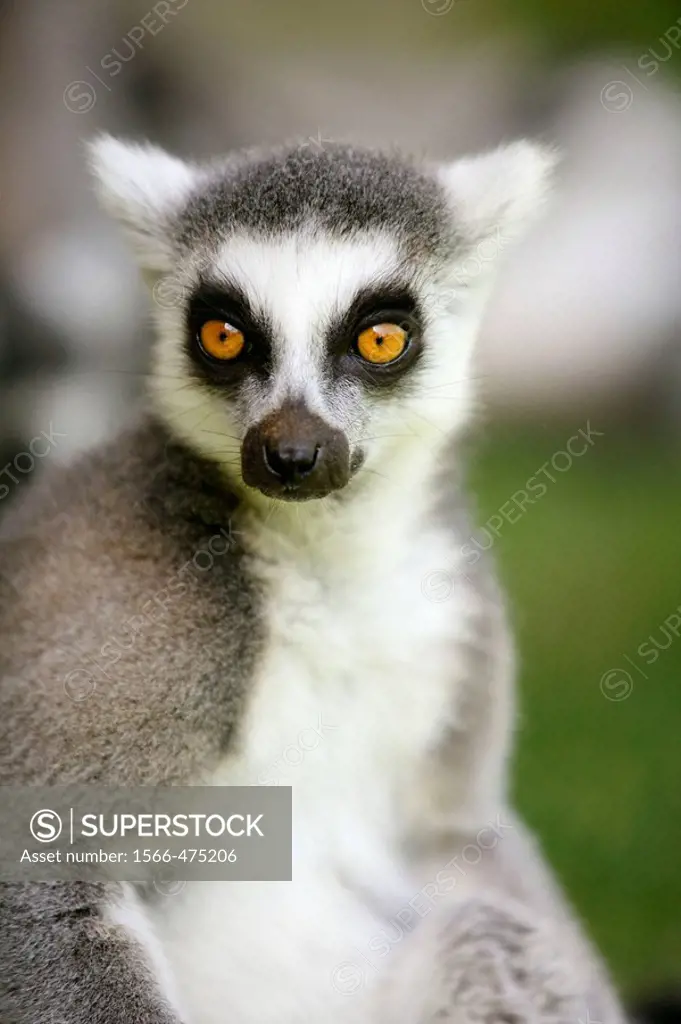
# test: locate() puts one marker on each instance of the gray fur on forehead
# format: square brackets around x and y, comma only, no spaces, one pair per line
[338,187]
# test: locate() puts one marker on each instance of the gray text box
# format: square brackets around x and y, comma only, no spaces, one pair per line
[188,833]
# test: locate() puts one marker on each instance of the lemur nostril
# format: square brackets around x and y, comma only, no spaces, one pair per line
[295,455]
[291,461]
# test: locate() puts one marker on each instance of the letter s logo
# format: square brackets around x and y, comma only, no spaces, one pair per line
[45,826]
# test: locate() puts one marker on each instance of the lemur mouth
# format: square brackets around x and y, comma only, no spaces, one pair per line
[294,455]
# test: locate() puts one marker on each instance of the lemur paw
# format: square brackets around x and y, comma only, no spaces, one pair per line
[489,963]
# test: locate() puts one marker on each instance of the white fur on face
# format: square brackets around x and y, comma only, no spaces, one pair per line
[302,283]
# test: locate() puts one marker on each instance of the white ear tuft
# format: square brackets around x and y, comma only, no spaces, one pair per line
[142,186]
[499,192]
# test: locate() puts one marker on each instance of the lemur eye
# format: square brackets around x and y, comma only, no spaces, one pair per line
[220,340]
[382,343]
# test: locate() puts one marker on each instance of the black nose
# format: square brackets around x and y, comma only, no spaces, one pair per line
[291,461]
[294,455]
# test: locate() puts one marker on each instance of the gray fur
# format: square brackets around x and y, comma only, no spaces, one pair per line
[63,963]
[118,533]
[340,188]
[131,520]
[514,955]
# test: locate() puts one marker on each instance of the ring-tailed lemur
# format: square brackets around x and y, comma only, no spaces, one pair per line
[311,378]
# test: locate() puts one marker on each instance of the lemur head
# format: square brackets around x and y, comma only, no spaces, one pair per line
[316,304]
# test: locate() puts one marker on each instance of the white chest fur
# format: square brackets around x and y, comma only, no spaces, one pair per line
[355,686]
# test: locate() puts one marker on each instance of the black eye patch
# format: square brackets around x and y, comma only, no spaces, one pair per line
[391,303]
[231,305]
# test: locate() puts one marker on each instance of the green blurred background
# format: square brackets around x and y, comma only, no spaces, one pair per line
[592,570]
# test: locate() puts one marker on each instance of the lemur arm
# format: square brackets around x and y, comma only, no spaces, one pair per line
[69,955]
[500,945]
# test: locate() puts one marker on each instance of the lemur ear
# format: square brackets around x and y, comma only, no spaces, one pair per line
[142,187]
[499,193]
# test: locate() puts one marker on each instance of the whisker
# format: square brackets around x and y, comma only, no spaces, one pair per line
[93,370]
[221,433]
[462,380]
[376,437]
[427,421]
[192,408]
[366,469]
[175,390]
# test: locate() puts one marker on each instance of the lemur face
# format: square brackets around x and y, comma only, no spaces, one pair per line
[324,302]
[309,352]
[299,345]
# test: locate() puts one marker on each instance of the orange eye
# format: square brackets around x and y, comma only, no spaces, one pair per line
[220,340]
[382,343]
